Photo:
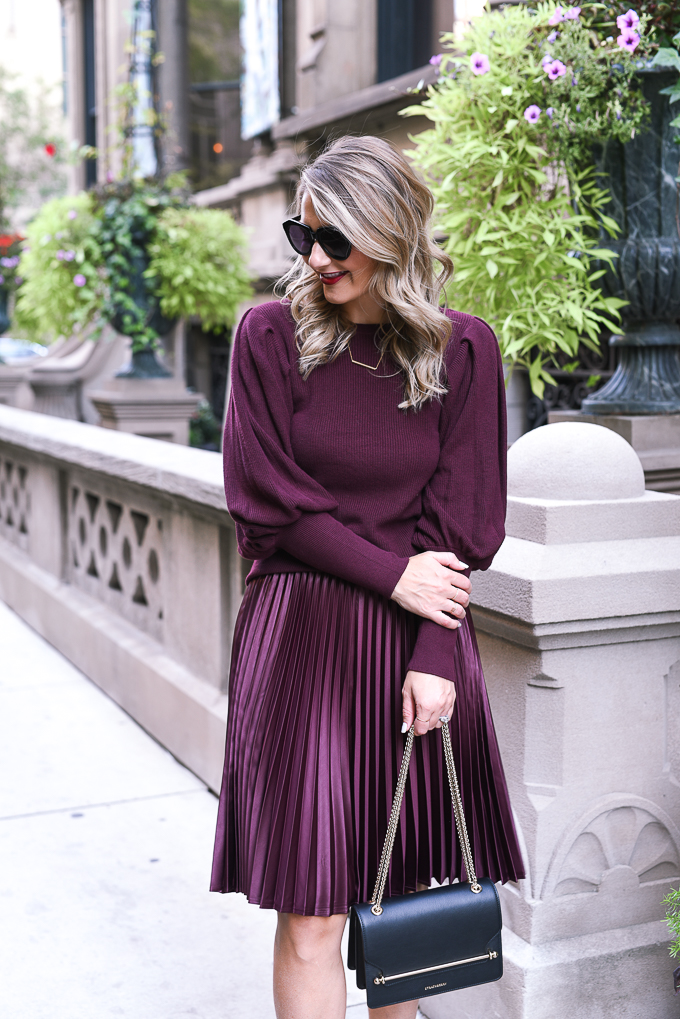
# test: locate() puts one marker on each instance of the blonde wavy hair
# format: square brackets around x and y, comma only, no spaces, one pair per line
[366,188]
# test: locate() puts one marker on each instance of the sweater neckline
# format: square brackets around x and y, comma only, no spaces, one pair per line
[366,328]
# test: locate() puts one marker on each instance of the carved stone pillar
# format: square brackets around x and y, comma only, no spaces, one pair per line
[579,630]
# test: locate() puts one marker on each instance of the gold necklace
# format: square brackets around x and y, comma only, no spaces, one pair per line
[361,363]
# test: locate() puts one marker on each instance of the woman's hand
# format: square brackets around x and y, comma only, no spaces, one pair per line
[426,699]
[429,587]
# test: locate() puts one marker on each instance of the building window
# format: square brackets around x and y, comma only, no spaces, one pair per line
[404,36]
[217,150]
[90,96]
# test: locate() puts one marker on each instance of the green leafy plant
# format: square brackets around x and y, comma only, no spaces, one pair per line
[204,428]
[672,900]
[509,161]
[133,254]
[63,271]
[199,266]
[127,216]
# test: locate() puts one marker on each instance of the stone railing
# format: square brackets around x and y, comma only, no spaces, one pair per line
[579,633]
[120,551]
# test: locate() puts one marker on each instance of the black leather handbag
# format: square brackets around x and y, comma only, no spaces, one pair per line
[442,939]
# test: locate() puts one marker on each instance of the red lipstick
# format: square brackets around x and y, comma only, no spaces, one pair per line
[335,277]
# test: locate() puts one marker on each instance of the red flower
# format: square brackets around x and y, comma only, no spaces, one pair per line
[50,149]
[7,240]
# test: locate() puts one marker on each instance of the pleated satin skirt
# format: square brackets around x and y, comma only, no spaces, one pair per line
[314,747]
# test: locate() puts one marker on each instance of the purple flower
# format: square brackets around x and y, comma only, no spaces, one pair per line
[553,36]
[69,256]
[60,254]
[436,59]
[547,59]
[578,107]
[556,16]
[574,79]
[18,280]
[72,214]
[532,113]
[555,69]
[627,20]
[628,40]
[550,112]
[2,280]
[79,280]
[59,235]
[479,63]
[572,13]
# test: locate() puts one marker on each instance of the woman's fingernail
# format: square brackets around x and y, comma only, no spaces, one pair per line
[404,727]
[463,566]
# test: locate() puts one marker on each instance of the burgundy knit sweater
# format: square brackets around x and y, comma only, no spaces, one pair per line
[328,474]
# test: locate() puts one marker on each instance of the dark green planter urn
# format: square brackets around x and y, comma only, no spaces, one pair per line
[144,365]
[641,176]
[146,304]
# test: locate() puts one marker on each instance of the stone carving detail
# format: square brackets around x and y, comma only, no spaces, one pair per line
[15,502]
[621,837]
[116,556]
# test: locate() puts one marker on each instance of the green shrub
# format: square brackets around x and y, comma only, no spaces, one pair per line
[672,900]
[199,267]
[116,254]
[507,158]
[62,269]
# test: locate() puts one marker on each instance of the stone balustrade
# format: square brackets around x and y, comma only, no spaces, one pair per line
[120,551]
[579,630]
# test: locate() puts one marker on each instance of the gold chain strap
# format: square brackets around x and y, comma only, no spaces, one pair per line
[393,822]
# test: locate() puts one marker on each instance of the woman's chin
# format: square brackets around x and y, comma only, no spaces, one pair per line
[339,293]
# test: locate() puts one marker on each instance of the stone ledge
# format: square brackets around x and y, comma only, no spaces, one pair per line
[557,979]
[192,474]
[577,632]
[600,579]
[373,97]
[183,712]
[564,522]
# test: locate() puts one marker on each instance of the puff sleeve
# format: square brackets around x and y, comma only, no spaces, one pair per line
[464,502]
[273,502]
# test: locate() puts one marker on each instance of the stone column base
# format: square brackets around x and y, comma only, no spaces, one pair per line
[13,387]
[626,973]
[655,438]
[154,408]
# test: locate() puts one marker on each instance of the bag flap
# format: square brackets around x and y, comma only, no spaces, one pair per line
[430,928]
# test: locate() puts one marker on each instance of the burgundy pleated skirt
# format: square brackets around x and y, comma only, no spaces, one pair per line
[314,747]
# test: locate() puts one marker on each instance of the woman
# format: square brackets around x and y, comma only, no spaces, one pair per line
[365,471]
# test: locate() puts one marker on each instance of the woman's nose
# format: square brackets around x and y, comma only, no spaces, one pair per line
[318,258]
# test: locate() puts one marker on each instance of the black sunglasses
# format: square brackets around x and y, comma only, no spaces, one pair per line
[302,239]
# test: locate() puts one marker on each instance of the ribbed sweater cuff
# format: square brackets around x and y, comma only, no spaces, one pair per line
[329,546]
[433,652]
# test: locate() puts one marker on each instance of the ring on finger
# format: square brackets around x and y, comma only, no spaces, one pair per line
[422,719]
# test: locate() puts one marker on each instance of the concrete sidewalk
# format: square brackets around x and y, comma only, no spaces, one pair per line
[105,850]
